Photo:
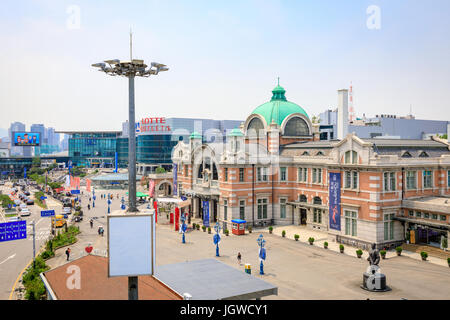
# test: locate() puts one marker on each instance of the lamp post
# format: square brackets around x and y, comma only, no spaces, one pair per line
[262,252]
[131,69]
[216,238]
[123,204]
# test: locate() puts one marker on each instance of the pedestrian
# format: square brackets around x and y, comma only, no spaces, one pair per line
[89,199]
[91,222]
[68,253]
[89,207]
[239,258]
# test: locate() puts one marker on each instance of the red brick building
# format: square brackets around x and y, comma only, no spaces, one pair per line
[275,170]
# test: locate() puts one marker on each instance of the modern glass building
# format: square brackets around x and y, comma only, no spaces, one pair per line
[93,149]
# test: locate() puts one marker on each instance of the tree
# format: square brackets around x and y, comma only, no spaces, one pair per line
[36,162]
[160,170]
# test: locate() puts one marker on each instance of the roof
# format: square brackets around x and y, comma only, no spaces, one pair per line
[195,135]
[405,143]
[278,108]
[435,204]
[311,144]
[218,281]
[236,133]
[114,177]
[95,284]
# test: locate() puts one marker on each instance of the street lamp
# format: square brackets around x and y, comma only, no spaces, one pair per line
[131,69]
[183,226]
[216,237]
[262,252]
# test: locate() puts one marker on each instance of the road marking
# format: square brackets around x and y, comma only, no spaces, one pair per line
[10,257]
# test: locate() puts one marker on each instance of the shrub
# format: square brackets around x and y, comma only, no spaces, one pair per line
[444,243]
[408,236]
[193,225]
[341,247]
[382,252]
[325,244]
[311,240]
[250,229]
[283,233]
[359,253]
[270,228]
[424,255]
[197,226]
[296,236]
[209,229]
[227,232]
[204,228]
[448,260]
[399,249]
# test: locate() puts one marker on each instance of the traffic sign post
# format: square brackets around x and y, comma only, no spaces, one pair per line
[183,226]
[15,230]
[49,213]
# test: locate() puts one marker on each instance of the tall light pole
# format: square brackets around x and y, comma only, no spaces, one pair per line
[131,69]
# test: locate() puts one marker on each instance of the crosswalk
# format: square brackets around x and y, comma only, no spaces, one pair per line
[41,234]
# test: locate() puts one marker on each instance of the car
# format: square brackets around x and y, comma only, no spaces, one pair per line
[25,212]
[27,193]
[67,210]
[13,219]
[22,206]
[17,202]
[30,201]
[78,218]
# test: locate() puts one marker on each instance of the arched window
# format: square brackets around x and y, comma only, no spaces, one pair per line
[305,153]
[317,200]
[303,198]
[351,157]
[296,127]
[255,127]
[320,153]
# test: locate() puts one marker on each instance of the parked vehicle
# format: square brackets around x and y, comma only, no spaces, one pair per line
[13,219]
[58,221]
[25,212]
[67,210]
[30,201]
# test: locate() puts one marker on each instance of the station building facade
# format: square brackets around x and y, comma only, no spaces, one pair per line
[274,169]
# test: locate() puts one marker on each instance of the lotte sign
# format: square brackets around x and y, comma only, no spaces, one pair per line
[155,124]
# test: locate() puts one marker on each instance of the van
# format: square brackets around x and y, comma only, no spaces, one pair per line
[58,221]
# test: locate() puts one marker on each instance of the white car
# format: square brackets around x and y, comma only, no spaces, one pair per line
[17,202]
[25,212]
[23,206]
[67,210]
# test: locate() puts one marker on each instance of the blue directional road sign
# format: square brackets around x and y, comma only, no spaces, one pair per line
[75,191]
[47,213]
[42,197]
[13,231]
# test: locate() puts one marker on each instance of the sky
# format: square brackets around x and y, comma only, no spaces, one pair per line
[224,58]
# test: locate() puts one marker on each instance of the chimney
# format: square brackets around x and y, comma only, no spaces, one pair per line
[342,127]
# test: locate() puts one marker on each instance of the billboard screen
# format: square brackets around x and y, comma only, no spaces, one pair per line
[26,139]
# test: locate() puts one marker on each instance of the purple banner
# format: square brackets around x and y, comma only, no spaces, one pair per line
[175,183]
[335,200]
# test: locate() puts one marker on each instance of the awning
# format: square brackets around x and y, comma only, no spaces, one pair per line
[424,223]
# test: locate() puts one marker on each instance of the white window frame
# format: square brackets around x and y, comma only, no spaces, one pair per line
[387,183]
[415,180]
[353,222]
[430,176]
[317,175]
[388,226]
[285,174]
[353,185]
[240,207]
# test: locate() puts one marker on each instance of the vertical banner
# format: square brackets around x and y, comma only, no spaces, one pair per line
[205,213]
[67,181]
[151,188]
[175,184]
[88,185]
[25,172]
[334,195]
[115,162]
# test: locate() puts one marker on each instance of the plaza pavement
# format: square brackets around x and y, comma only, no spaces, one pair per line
[299,270]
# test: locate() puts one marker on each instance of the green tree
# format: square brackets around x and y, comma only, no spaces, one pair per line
[160,170]
[36,162]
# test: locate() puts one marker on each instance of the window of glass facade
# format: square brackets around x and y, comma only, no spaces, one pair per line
[351,218]
[226,174]
[389,181]
[302,174]
[283,208]
[241,174]
[156,148]
[283,173]
[316,175]
[388,226]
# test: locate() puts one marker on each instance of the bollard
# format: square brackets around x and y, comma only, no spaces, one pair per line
[248,268]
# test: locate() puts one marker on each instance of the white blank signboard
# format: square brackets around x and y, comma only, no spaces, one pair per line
[130,245]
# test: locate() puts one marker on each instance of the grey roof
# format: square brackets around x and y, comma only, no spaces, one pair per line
[405,143]
[311,144]
[114,177]
[210,279]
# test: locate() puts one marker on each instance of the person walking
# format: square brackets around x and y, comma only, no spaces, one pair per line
[91,222]
[239,257]
[68,253]
[89,207]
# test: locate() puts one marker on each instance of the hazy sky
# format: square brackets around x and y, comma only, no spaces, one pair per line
[224,58]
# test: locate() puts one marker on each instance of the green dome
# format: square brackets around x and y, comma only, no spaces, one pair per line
[195,135]
[236,133]
[278,108]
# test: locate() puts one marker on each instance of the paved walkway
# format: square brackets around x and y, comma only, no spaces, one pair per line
[320,237]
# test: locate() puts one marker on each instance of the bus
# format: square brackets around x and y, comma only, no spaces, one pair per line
[58,221]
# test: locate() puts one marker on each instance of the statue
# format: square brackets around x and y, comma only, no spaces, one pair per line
[374,256]
[373,279]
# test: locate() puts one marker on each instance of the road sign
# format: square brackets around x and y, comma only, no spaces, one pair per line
[216,238]
[13,231]
[42,197]
[75,191]
[47,213]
